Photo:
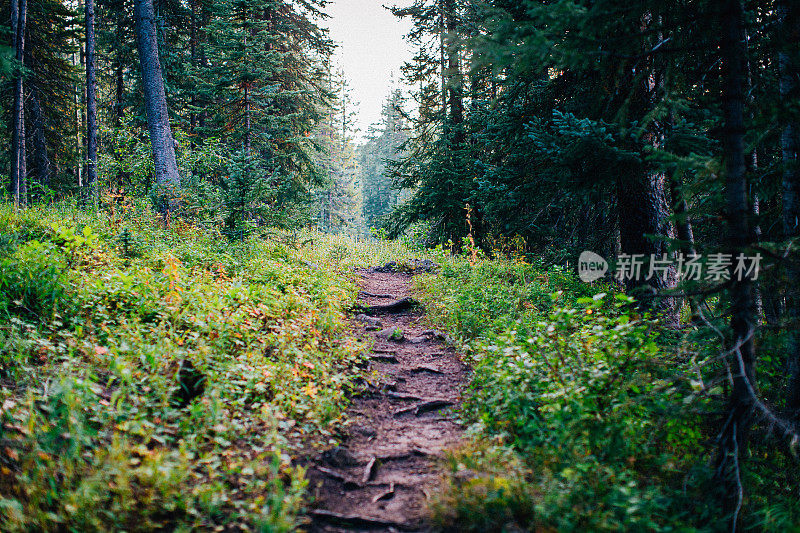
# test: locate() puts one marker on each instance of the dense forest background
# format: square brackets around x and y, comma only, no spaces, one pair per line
[261,119]
[666,130]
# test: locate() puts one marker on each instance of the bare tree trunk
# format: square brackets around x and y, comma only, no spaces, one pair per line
[733,435]
[82,121]
[790,146]
[203,61]
[119,67]
[18,153]
[78,128]
[643,210]
[683,229]
[166,166]
[193,55]
[756,203]
[442,55]
[247,141]
[91,106]
[683,225]
[643,202]
[756,212]
[40,156]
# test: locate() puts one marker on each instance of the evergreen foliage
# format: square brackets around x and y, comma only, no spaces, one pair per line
[384,145]
[338,196]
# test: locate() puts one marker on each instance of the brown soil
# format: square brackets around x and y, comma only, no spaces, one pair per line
[388,465]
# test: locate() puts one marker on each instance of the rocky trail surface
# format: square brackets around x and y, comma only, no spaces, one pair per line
[387,467]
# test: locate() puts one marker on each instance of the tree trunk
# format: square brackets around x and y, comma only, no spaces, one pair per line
[789,64]
[452,74]
[166,166]
[18,154]
[193,56]
[756,203]
[643,209]
[683,225]
[78,127]
[119,67]
[442,54]
[643,201]
[683,229]
[732,438]
[247,142]
[203,62]
[91,105]
[82,119]
[41,158]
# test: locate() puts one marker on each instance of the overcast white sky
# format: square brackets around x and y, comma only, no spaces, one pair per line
[371,49]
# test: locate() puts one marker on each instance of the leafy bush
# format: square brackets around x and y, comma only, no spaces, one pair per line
[32,283]
[600,426]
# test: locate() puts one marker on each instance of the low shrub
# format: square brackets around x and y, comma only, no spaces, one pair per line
[601,417]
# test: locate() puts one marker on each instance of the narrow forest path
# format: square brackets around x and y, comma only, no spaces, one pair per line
[381,476]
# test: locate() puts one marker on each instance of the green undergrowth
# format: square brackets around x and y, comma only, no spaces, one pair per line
[584,416]
[160,376]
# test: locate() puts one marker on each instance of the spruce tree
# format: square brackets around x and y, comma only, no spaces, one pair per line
[338,198]
[384,146]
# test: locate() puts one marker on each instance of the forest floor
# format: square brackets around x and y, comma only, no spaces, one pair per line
[387,467]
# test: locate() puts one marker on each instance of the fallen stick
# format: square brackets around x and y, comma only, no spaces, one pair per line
[403,396]
[333,474]
[424,407]
[404,410]
[370,295]
[418,450]
[432,405]
[369,470]
[385,495]
[395,457]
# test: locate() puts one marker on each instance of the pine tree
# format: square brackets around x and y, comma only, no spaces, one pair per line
[266,81]
[53,33]
[789,88]
[338,197]
[384,145]
[438,166]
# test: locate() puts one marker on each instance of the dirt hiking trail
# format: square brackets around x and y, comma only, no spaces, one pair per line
[387,467]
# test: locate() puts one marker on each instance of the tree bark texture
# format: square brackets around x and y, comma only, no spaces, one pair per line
[644,201]
[789,87]
[166,166]
[738,418]
[91,105]
[18,154]
[41,158]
